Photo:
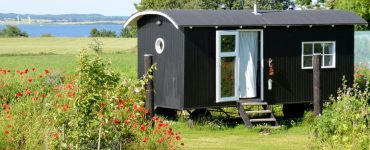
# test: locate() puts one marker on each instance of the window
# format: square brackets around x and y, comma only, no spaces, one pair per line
[159,45]
[326,49]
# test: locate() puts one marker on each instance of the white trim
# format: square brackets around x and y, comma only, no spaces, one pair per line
[219,55]
[322,63]
[138,15]
[158,47]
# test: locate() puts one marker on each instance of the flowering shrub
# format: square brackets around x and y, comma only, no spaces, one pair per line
[94,107]
[345,121]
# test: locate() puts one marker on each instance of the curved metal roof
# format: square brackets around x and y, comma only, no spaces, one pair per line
[183,18]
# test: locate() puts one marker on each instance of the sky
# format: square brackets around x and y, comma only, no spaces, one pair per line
[104,7]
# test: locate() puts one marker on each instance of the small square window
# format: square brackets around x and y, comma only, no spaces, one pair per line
[326,49]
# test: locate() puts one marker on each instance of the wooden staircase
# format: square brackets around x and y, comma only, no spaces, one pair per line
[247,115]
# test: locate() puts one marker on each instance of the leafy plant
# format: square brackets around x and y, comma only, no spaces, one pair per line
[345,121]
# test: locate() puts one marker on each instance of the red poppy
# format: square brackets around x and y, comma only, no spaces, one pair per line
[116,121]
[9,117]
[6,131]
[145,139]
[43,95]
[46,71]
[9,126]
[56,135]
[4,98]
[227,78]
[28,92]
[155,118]
[19,94]
[6,85]
[26,71]
[36,93]
[33,69]
[178,138]
[35,99]
[160,140]
[29,79]
[59,95]
[142,128]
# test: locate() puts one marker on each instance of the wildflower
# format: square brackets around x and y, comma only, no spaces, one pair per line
[56,135]
[155,118]
[137,90]
[142,128]
[28,92]
[33,69]
[5,85]
[46,71]
[26,71]
[29,79]
[18,94]
[9,117]
[134,107]
[116,121]
[145,139]
[36,93]
[178,138]
[66,107]
[43,95]
[59,95]
[6,131]
[9,126]
[4,98]
[160,140]
[35,99]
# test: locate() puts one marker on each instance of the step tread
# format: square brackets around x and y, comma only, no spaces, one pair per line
[258,112]
[252,103]
[263,120]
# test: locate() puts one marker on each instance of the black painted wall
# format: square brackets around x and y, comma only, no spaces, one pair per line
[169,78]
[293,84]
[186,78]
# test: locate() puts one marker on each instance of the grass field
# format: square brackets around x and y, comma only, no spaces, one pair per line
[20,53]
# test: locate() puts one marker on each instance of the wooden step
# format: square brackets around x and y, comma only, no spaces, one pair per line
[253,103]
[263,120]
[259,112]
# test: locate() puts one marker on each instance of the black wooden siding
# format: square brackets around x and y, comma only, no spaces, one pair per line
[186,77]
[169,78]
[293,84]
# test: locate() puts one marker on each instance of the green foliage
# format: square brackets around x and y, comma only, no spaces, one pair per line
[96,46]
[345,121]
[303,2]
[102,33]
[360,7]
[129,32]
[209,4]
[47,35]
[12,31]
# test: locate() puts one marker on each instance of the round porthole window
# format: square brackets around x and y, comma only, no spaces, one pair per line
[159,45]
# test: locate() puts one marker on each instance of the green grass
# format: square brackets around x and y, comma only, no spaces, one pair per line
[240,137]
[21,53]
[62,45]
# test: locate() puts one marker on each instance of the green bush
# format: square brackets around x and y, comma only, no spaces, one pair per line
[345,121]
[102,33]
[12,31]
[47,35]
[47,110]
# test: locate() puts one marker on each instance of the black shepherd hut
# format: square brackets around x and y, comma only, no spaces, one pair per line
[215,58]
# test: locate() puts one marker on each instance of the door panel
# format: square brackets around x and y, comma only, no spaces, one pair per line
[248,53]
[227,75]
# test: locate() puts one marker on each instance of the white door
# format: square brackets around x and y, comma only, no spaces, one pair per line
[227,75]
[248,53]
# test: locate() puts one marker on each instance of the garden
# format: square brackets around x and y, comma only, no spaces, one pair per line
[87,100]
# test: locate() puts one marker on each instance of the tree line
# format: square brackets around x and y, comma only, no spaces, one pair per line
[12,31]
[360,7]
[125,33]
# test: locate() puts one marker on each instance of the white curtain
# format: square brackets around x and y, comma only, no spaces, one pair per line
[248,42]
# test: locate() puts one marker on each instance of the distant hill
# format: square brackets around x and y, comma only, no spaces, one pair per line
[63,17]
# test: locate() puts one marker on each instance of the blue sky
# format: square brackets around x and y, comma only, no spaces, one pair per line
[105,7]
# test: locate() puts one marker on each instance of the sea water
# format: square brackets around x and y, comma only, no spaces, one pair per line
[36,30]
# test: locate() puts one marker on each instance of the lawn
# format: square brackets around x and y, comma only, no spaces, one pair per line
[59,54]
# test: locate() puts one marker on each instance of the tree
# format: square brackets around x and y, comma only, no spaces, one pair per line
[360,7]
[210,4]
[102,33]
[303,2]
[129,32]
[12,31]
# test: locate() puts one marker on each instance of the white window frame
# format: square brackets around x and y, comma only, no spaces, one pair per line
[219,55]
[322,55]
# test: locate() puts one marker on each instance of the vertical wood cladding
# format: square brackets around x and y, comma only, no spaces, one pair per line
[169,78]
[186,75]
[291,84]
